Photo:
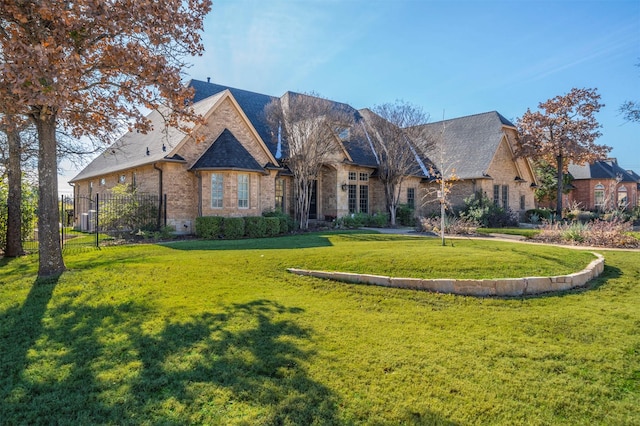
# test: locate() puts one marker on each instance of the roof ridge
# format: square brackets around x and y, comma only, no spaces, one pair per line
[231,88]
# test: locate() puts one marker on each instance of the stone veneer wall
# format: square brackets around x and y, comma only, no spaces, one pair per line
[503,287]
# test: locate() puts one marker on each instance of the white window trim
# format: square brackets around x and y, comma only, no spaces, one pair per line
[221,176]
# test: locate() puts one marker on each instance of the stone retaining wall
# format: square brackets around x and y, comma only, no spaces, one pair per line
[491,287]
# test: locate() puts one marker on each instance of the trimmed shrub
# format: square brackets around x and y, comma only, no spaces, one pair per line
[209,227]
[233,228]
[272,226]
[287,224]
[255,227]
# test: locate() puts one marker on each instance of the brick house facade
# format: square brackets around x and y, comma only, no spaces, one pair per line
[603,186]
[235,166]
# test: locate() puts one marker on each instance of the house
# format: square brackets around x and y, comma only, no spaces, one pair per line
[236,166]
[479,151]
[603,185]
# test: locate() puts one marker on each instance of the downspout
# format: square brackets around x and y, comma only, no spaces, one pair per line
[160,201]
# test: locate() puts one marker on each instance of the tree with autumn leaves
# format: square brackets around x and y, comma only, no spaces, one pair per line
[563,131]
[86,66]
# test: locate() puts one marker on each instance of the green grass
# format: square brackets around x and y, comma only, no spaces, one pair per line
[219,333]
[525,232]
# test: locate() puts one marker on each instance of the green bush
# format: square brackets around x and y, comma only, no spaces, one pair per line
[233,228]
[255,227]
[357,220]
[486,213]
[378,220]
[404,215]
[272,226]
[287,224]
[353,220]
[28,212]
[127,210]
[209,227]
[540,214]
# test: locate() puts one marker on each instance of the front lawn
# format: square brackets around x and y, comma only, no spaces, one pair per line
[219,333]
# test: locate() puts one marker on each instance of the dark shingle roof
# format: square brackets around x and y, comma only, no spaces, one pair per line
[227,153]
[470,142]
[251,103]
[604,169]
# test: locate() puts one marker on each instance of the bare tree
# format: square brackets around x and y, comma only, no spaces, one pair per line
[398,137]
[564,131]
[307,126]
[630,110]
[443,174]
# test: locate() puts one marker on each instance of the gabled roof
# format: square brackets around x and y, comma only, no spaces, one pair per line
[227,153]
[420,164]
[251,103]
[603,169]
[135,149]
[470,143]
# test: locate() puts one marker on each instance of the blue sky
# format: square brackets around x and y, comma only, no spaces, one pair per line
[451,58]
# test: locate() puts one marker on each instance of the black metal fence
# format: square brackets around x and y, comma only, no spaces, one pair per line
[104,219]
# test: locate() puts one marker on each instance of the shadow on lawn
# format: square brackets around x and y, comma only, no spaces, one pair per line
[284,242]
[20,326]
[85,362]
[307,240]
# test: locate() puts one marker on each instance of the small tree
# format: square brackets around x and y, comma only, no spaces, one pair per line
[547,188]
[307,125]
[397,135]
[445,176]
[563,131]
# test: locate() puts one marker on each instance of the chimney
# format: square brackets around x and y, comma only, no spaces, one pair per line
[208,79]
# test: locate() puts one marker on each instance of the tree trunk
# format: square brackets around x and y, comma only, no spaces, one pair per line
[560,175]
[303,202]
[51,263]
[392,207]
[14,199]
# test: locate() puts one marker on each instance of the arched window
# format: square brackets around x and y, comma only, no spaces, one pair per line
[623,199]
[599,196]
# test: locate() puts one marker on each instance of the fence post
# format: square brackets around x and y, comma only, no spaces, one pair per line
[62,221]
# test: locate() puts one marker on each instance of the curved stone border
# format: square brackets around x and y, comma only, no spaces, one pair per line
[496,287]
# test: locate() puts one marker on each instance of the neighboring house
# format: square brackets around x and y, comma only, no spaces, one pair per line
[236,166]
[479,151]
[603,185]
